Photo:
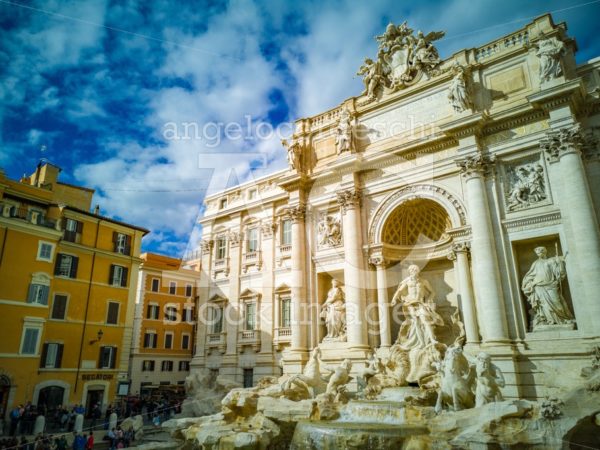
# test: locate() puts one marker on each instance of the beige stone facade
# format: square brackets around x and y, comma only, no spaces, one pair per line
[463,172]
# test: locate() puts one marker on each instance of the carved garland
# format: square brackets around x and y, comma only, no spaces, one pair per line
[418,191]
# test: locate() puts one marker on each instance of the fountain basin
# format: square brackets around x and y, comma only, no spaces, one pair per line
[353,435]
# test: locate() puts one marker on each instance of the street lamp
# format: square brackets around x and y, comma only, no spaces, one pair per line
[100,334]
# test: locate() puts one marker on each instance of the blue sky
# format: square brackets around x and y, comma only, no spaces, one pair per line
[96,83]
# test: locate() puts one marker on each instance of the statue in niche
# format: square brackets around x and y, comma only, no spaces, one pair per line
[329,232]
[489,381]
[416,296]
[459,92]
[294,154]
[542,285]
[334,313]
[344,138]
[549,51]
[528,187]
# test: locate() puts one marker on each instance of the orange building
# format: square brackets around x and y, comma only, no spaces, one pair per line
[164,324]
[67,294]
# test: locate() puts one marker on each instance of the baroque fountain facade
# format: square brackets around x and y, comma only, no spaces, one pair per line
[425,272]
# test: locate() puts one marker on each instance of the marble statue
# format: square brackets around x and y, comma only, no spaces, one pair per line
[489,381]
[542,285]
[459,92]
[402,58]
[329,232]
[308,383]
[416,296]
[334,313]
[550,51]
[456,379]
[527,187]
[294,154]
[340,376]
[344,137]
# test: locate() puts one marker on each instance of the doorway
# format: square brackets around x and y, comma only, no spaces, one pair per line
[50,398]
[94,397]
[248,378]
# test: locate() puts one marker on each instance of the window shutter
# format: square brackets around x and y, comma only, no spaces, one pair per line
[124,276]
[113,359]
[44,355]
[100,357]
[79,227]
[111,274]
[149,312]
[128,245]
[74,262]
[59,258]
[59,353]
[31,293]
[45,291]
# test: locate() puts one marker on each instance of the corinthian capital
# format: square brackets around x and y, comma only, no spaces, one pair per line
[570,139]
[206,245]
[378,261]
[268,228]
[475,165]
[349,199]
[297,213]
[235,237]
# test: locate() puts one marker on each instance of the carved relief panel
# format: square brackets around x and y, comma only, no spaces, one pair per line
[525,184]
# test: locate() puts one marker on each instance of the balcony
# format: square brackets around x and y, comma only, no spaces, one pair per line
[220,267]
[27,215]
[283,337]
[252,259]
[216,341]
[249,338]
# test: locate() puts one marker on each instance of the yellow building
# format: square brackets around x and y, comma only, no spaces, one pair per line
[67,294]
[164,329]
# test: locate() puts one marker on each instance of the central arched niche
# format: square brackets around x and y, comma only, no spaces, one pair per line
[416,222]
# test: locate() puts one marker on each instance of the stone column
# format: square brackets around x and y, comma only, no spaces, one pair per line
[206,247]
[299,330]
[383,304]
[268,319]
[486,274]
[233,318]
[349,200]
[563,149]
[460,256]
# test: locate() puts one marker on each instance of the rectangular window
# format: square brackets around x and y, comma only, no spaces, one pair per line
[108,358]
[187,314]
[30,341]
[170,313]
[152,312]
[72,230]
[51,356]
[38,293]
[45,251]
[286,309]
[250,316]
[286,232]
[184,366]
[168,340]
[185,342]
[149,340]
[118,275]
[112,316]
[223,203]
[172,287]
[216,319]
[221,248]
[59,307]
[252,194]
[155,284]
[66,265]
[252,240]
[121,243]
[167,366]
[188,290]
[148,365]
